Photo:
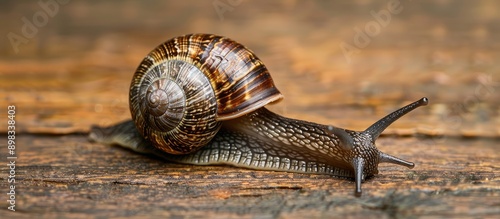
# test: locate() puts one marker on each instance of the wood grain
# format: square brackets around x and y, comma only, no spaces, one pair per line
[66,176]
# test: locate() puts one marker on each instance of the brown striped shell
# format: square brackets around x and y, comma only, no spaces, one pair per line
[184,87]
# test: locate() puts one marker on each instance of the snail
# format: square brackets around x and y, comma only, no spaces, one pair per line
[200,99]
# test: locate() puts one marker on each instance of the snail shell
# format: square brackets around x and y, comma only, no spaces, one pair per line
[185,87]
[200,98]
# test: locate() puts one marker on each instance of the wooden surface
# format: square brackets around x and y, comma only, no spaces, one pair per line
[75,72]
[65,176]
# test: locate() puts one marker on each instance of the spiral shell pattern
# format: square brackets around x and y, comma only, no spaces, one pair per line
[185,87]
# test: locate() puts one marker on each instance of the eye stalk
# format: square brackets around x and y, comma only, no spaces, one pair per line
[377,128]
[346,141]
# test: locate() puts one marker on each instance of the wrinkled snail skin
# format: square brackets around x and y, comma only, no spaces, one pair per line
[199,99]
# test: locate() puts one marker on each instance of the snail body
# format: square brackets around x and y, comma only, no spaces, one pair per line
[199,99]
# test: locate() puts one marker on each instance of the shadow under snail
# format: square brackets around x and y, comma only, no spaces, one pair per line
[199,99]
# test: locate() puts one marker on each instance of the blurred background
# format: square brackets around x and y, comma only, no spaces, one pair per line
[66,65]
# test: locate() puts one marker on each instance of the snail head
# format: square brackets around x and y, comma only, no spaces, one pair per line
[360,148]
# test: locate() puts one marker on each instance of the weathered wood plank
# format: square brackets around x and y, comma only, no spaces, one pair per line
[66,176]
[64,83]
